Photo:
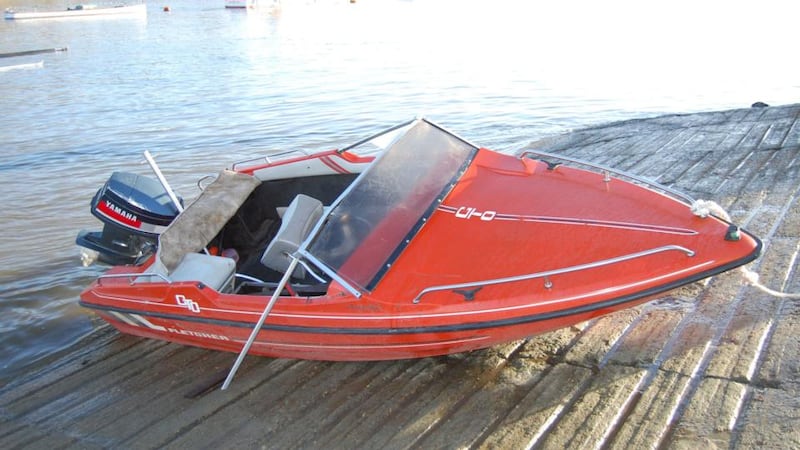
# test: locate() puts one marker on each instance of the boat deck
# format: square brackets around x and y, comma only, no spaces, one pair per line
[714,364]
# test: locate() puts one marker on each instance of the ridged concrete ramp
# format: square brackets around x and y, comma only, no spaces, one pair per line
[713,365]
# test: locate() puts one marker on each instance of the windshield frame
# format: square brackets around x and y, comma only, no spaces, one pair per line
[438,191]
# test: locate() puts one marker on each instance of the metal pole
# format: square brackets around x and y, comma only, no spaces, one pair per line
[166,185]
[260,323]
[163,180]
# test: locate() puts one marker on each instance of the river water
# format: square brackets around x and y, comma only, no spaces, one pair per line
[202,87]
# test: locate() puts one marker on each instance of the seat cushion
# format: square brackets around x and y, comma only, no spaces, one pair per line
[298,221]
[215,272]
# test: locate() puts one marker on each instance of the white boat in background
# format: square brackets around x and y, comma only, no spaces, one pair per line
[81,10]
[36,65]
[251,4]
[241,4]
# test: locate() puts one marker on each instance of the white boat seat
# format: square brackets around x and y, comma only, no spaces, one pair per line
[216,272]
[298,221]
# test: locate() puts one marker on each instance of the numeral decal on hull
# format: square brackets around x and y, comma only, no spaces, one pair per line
[188,303]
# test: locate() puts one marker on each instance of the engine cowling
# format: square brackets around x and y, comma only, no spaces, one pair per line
[134,210]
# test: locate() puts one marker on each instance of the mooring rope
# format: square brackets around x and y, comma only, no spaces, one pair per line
[704,208]
[752,279]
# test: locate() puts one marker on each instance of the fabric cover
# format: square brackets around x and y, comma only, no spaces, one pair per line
[194,228]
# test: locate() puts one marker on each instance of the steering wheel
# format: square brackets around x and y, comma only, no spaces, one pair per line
[348,233]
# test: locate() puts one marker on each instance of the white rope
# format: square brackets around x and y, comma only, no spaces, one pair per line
[752,279]
[704,208]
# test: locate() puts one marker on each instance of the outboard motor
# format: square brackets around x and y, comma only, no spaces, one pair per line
[134,210]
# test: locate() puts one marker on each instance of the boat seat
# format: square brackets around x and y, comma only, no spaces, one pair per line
[216,272]
[298,221]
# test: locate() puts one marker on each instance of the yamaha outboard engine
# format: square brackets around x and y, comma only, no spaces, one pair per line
[135,210]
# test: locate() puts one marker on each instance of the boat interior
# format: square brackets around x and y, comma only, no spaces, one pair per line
[262,221]
[262,230]
[273,222]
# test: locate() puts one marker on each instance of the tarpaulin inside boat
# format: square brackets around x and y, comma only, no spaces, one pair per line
[194,228]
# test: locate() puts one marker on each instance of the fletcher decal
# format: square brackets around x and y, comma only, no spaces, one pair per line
[200,334]
[137,320]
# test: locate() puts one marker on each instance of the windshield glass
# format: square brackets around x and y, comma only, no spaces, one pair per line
[374,219]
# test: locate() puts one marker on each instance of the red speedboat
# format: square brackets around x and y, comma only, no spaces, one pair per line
[411,243]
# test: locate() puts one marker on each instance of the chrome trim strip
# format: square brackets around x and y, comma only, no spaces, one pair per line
[607,170]
[330,272]
[132,276]
[386,131]
[548,273]
[270,159]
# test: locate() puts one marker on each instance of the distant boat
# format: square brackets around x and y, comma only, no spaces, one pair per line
[251,4]
[36,65]
[241,4]
[78,11]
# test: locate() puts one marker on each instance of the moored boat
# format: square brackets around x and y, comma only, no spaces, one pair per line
[240,4]
[80,10]
[252,4]
[411,243]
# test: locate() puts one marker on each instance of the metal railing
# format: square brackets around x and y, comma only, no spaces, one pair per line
[132,276]
[549,273]
[272,158]
[607,172]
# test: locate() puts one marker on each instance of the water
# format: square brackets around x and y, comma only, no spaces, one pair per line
[202,87]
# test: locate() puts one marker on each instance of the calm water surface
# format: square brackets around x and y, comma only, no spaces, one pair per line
[202,87]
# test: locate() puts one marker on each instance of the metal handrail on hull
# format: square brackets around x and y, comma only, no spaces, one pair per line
[607,170]
[273,158]
[132,276]
[549,273]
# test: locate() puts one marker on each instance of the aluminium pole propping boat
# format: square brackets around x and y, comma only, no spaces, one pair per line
[429,245]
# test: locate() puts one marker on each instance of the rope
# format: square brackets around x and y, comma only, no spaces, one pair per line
[704,208]
[752,279]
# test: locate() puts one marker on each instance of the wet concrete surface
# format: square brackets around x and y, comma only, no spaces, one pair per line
[712,365]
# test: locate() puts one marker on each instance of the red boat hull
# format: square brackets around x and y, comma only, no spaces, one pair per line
[516,248]
[343,341]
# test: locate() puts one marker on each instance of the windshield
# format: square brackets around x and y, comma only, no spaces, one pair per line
[378,215]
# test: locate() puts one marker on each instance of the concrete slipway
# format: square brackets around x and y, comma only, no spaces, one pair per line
[712,365]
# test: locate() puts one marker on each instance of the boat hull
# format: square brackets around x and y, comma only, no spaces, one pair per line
[354,329]
[512,248]
[113,11]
